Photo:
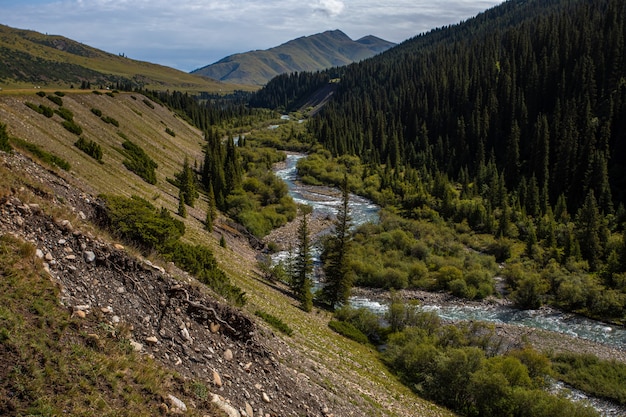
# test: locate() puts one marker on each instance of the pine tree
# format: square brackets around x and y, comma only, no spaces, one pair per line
[589,230]
[338,278]
[187,183]
[211,211]
[303,264]
[182,208]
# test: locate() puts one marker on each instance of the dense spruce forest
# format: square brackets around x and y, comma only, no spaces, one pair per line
[510,124]
[536,87]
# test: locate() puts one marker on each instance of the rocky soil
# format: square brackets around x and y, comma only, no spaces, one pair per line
[162,310]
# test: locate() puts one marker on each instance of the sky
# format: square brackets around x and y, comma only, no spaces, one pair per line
[189,34]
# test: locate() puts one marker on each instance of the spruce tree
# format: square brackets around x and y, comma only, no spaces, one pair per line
[303,264]
[187,183]
[338,278]
[211,211]
[182,208]
[589,230]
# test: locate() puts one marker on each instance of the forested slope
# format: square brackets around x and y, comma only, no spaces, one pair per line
[535,86]
[511,125]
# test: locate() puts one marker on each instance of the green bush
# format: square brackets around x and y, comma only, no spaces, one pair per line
[170,132]
[110,120]
[275,322]
[91,148]
[97,112]
[59,93]
[55,99]
[71,126]
[139,162]
[96,92]
[41,93]
[600,378]
[199,260]
[4,139]
[148,103]
[41,109]
[348,330]
[65,113]
[43,156]
[138,221]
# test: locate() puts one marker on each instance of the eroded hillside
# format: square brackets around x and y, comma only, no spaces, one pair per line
[167,315]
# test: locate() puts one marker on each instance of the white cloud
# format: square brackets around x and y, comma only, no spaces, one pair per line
[330,8]
[189,34]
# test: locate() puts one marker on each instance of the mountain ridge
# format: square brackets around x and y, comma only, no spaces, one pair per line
[29,58]
[306,53]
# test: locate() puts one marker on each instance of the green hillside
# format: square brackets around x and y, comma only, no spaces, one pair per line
[308,53]
[29,59]
[510,125]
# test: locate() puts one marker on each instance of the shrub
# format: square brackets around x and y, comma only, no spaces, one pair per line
[55,99]
[148,103]
[65,113]
[44,156]
[139,162]
[138,221]
[96,92]
[59,93]
[199,260]
[46,111]
[110,120]
[41,93]
[71,126]
[348,330]
[275,322]
[4,139]
[97,112]
[170,132]
[601,378]
[91,148]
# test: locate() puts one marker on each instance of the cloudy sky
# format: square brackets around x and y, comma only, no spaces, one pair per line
[188,34]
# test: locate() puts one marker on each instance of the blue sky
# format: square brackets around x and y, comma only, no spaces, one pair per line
[188,34]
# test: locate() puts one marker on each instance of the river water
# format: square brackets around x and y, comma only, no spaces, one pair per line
[326,200]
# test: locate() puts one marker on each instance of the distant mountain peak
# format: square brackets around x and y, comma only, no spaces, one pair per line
[307,53]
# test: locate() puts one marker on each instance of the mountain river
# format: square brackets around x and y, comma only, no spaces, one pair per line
[325,201]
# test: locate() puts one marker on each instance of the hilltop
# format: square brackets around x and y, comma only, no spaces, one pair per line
[308,53]
[29,58]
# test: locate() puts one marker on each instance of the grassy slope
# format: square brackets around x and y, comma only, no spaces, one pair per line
[331,360]
[66,51]
[52,363]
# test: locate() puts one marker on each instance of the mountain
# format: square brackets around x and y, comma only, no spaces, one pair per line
[523,85]
[29,58]
[308,53]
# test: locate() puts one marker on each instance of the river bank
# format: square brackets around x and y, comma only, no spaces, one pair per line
[513,335]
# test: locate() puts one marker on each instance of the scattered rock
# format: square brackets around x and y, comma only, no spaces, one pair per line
[184,332]
[118,246]
[176,404]
[249,410]
[214,327]
[79,313]
[266,398]
[217,379]
[151,340]
[228,355]
[138,347]
[89,256]
[225,407]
